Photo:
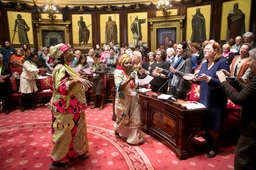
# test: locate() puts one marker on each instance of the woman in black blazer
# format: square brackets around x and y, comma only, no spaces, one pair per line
[243,95]
[5,83]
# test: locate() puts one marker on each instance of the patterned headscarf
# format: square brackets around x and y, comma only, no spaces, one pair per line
[57,50]
[123,58]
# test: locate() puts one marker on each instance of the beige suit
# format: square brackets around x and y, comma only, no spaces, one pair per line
[28,77]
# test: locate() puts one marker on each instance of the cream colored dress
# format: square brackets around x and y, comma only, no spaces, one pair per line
[28,77]
[127,110]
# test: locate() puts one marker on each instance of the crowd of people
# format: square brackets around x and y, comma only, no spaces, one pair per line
[172,68]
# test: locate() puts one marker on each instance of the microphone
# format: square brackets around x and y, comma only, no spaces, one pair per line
[162,86]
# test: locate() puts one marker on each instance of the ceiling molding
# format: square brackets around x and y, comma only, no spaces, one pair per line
[82,2]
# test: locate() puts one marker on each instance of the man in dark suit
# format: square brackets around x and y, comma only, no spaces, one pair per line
[7,51]
[236,47]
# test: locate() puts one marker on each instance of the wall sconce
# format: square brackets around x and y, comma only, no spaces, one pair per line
[51,10]
[164,5]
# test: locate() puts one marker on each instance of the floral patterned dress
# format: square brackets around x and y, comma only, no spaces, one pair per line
[127,110]
[69,133]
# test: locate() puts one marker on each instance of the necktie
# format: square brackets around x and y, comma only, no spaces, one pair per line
[237,47]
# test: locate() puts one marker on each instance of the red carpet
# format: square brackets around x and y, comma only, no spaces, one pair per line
[25,144]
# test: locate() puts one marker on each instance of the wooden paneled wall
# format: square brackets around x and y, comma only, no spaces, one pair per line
[216,8]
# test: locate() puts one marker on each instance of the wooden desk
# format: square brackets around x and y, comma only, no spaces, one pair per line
[172,125]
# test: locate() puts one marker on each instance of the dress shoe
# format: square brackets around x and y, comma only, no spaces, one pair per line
[7,111]
[81,157]
[212,154]
[59,166]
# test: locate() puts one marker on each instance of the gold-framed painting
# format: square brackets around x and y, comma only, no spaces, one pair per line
[198,23]
[82,30]
[137,28]
[110,29]
[20,28]
[235,19]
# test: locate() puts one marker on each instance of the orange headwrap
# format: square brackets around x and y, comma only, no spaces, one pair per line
[123,58]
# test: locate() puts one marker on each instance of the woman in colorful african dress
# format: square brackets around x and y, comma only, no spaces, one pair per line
[127,107]
[67,104]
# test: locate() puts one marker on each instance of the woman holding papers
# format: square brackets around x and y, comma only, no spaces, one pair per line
[98,70]
[5,83]
[127,107]
[243,95]
[211,95]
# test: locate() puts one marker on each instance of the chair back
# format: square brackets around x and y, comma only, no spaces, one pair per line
[18,70]
[194,92]
[46,83]
[14,85]
[42,71]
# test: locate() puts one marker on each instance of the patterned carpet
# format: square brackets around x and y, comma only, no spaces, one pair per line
[25,144]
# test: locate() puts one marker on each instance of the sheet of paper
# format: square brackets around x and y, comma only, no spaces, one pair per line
[194,105]
[48,74]
[1,79]
[42,77]
[76,70]
[146,80]
[143,90]
[164,96]
[87,70]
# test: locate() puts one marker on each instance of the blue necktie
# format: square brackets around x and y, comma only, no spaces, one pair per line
[237,47]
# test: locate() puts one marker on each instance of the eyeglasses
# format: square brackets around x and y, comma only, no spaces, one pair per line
[158,54]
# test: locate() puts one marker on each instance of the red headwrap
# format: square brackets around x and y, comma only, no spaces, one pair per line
[64,48]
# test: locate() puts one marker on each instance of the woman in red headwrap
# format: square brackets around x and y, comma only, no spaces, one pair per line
[127,107]
[67,104]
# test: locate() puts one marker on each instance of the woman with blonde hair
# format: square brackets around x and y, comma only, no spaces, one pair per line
[136,59]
